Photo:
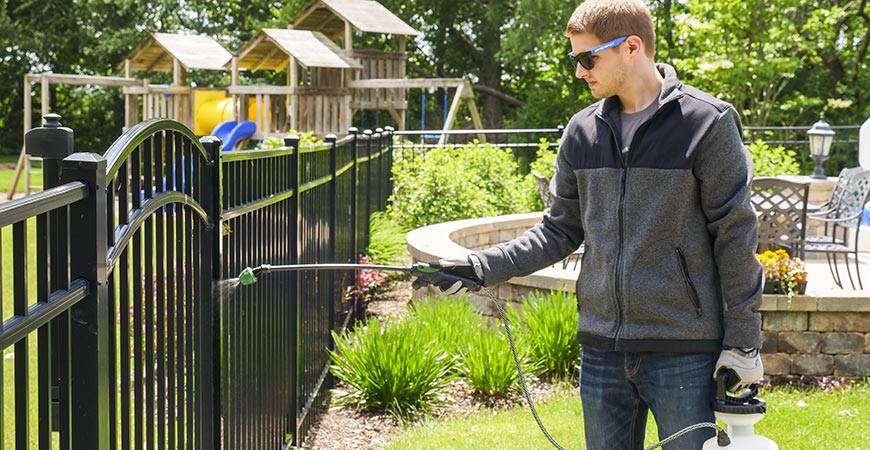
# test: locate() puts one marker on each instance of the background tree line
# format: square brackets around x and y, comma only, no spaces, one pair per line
[779,63]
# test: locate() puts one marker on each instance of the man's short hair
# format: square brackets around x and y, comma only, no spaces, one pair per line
[610,19]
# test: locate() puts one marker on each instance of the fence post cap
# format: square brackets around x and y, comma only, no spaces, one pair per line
[389,128]
[52,140]
[330,137]
[379,130]
[85,161]
[353,130]
[291,140]
[368,132]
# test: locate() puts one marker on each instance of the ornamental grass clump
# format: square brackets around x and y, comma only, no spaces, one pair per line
[487,364]
[391,366]
[547,331]
[451,321]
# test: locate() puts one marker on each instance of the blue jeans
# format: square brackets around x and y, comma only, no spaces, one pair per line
[618,389]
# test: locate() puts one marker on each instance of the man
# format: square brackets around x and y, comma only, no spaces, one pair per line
[654,179]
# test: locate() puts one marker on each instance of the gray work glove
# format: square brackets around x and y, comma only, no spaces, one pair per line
[745,363]
[453,276]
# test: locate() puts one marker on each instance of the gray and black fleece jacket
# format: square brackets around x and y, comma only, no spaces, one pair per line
[670,233]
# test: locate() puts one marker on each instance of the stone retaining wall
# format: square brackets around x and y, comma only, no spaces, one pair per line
[825,333]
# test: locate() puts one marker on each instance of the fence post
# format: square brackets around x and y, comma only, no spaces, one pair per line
[354,194]
[208,382]
[293,141]
[52,142]
[389,164]
[368,192]
[333,200]
[90,348]
[380,147]
[561,131]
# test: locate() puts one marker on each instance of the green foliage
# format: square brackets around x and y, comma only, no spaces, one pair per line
[451,320]
[387,239]
[451,183]
[393,366]
[772,161]
[487,364]
[544,164]
[547,331]
[305,138]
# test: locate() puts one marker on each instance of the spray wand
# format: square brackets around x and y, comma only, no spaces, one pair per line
[420,270]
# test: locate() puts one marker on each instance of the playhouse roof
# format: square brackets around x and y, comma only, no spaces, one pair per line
[156,52]
[328,16]
[269,50]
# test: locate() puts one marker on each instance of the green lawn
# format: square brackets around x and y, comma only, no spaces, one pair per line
[6,175]
[796,419]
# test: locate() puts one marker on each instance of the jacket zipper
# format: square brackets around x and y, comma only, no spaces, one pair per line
[624,182]
[690,286]
[618,271]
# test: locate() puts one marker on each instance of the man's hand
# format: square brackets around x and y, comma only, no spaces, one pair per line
[452,276]
[745,363]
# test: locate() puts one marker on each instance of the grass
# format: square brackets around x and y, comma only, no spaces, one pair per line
[805,419]
[7,175]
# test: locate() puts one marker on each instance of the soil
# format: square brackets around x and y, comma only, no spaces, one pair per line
[354,429]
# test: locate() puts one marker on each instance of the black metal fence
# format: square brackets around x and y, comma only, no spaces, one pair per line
[126,327]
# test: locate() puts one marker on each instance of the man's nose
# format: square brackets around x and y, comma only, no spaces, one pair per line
[581,72]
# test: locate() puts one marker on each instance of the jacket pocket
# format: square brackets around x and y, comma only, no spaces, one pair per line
[690,286]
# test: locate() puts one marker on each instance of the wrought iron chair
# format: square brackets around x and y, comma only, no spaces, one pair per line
[781,207]
[543,184]
[842,227]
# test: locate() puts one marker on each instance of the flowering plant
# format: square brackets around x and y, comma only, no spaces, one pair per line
[367,282]
[780,267]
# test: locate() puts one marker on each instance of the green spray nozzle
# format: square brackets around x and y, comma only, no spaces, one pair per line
[424,268]
[247,277]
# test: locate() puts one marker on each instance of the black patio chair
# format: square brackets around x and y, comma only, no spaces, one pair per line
[543,185]
[843,226]
[781,207]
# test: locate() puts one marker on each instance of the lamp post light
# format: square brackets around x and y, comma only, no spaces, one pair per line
[820,136]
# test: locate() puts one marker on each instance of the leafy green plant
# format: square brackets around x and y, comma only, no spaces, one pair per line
[451,183]
[487,364]
[544,164]
[450,320]
[305,138]
[387,239]
[547,331]
[772,161]
[390,366]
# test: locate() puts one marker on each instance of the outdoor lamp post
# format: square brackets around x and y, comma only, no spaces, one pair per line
[820,136]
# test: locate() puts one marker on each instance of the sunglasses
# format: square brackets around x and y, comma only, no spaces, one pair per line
[585,58]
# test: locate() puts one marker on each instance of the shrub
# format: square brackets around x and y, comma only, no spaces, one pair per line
[487,364]
[306,138]
[544,164]
[547,331]
[450,320]
[390,366]
[772,161]
[367,283]
[451,183]
[387,239]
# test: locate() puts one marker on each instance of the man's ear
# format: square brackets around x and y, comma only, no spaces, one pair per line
[635,45]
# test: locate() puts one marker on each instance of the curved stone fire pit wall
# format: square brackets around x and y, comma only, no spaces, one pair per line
[813,335]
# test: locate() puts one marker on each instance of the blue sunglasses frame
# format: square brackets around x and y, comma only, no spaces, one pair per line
[585,58]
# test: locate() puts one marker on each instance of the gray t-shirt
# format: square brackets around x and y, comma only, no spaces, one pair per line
[628,124]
